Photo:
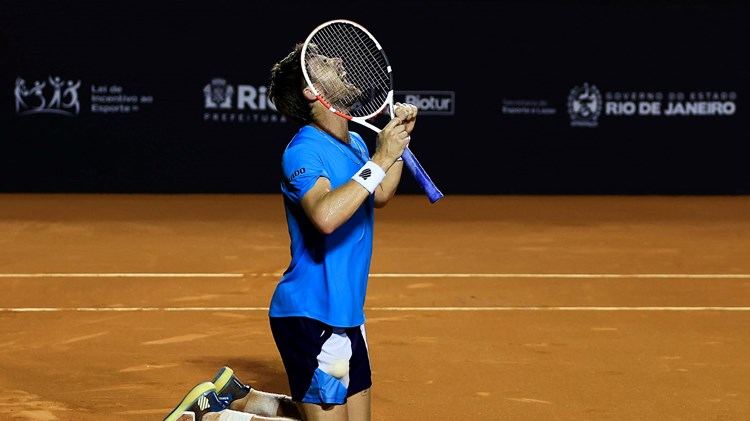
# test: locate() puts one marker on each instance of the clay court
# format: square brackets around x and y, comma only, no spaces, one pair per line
[479,308]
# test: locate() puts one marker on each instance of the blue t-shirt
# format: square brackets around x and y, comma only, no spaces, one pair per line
[327,277]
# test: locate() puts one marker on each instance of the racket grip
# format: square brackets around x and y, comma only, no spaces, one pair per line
[421,175]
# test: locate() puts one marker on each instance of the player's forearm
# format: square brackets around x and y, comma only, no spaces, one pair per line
[334,207]
[388,186]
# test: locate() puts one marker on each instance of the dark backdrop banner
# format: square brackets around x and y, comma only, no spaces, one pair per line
[522,97]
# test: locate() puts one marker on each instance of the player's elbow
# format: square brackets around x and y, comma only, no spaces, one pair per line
[325,225]
[326,229]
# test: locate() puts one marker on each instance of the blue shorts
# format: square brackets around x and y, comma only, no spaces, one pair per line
[324,364]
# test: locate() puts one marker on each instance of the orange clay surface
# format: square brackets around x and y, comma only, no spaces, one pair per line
[479,308]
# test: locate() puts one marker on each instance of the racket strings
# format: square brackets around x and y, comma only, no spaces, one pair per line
[367,83]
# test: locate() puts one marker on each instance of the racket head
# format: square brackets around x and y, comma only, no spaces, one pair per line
[347,69]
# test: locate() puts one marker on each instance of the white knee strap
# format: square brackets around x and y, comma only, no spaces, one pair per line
[230,415]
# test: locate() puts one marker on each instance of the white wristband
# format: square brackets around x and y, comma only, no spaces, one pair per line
[369,176]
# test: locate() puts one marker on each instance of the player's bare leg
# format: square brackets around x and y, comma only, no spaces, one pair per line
[231,415]
[357,408]
[246,399]
[266,404]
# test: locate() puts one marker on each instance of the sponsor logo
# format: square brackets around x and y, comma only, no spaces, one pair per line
[54,95]
[226,102]
[218,94]
[528,107]
[203,403]
[429,102]
[296,173]
[587,105]
[584,105]
[113,99]
[59,96]
[647,103]
[365,174]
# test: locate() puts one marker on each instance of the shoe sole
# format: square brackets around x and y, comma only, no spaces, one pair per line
[189,400]
[222,379]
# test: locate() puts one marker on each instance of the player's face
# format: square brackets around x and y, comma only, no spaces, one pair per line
[329,73]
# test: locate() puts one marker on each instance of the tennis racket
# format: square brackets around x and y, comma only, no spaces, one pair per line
[353,70]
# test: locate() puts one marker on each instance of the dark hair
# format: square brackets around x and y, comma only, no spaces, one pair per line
[285,88]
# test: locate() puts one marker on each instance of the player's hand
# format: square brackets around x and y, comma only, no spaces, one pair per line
[407,113]
[391,142]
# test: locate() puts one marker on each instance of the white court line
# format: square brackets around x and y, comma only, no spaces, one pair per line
[443,309]
[122,275]
[564,275]
[551,275]
[397,275]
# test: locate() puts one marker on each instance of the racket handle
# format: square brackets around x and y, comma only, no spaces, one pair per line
[422,178]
